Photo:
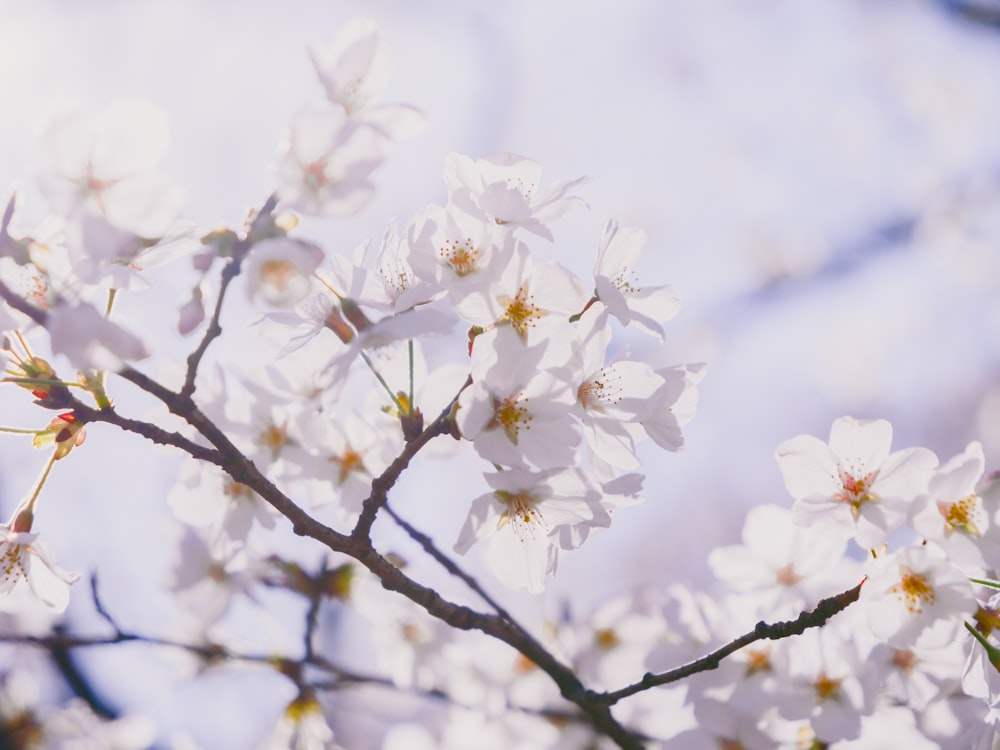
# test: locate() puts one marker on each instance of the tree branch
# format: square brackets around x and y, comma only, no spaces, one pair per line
[814,618]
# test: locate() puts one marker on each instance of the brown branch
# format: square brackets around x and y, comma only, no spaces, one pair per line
[358,545]
[229,272]
[443,425]
[814,618]
[428,546]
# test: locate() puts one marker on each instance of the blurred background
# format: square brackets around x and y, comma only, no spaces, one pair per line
[819,181]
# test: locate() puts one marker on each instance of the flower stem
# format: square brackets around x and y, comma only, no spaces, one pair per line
[378,376]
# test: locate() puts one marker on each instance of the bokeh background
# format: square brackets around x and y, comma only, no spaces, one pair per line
[820,181]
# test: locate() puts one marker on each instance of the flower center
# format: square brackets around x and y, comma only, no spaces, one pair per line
[461,256]
[601,389]
[350,460]
[278,274]
[758,660]
[914,590]
[510,416]
[11,565]
[961,516]
[856,490]
[827,688]
[520,514]
[905,659]
[522,312]
[315,176]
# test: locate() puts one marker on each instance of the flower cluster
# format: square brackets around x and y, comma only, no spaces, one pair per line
[472,337]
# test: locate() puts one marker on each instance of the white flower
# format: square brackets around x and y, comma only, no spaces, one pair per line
[327,162]
[506,189]
[354,70]
[520,515]
[280,270]
[24,558]
[792,565]
[302,726]
[519,406]
[533,300]
[107,163]
[89,340]
[916,596]
[951,514]
[854,485]
[647,307]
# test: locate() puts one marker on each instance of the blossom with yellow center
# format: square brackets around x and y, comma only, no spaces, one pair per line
[916,596]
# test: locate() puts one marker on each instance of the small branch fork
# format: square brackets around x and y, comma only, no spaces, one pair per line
[596,707]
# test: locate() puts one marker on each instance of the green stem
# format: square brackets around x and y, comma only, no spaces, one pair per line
[986,582]
[20,430]
[40,381]
[29,504]
[412,410]
[378,376]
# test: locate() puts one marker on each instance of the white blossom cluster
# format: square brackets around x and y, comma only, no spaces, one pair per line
[540,398]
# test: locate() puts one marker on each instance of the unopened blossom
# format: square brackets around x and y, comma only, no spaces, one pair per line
[354,70]
[25,559]
[648,307]
[507,190]
[107,163]
[952,515]
[327,162]
[916,596]
[280,270]
[89,340]
[853,485]
[519,516]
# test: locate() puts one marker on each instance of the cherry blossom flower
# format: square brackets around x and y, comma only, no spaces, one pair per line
[611,395]
[916,596]
[673,405]
[825,679]
[951,515]
[648,307]
[519,515]
[205,497]
[853,484]
[354,70]
[302,726]
[387,284]
[505,188]
[280,270]
[327,162]
[101,253]
[532,300]
[23,557]
[107,163]
[456,251]
[790,565]
[519,406]
[89,340]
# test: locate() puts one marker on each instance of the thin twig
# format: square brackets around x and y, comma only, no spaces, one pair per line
[814,618]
